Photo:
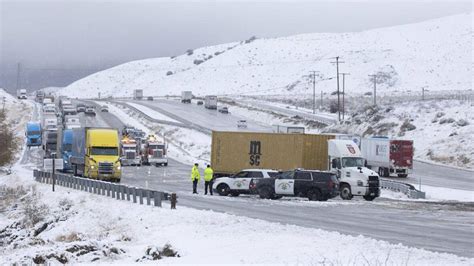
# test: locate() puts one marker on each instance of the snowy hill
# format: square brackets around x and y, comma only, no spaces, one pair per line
[434,54]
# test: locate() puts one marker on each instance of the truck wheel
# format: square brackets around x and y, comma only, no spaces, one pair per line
[403,175]
[346,193]
[234,193]
[223,189]
[266,193]
[165,164]
[369,198]
[314,194]
[275,197]
[386,172]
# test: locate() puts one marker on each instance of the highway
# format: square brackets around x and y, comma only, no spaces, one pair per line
[437,227]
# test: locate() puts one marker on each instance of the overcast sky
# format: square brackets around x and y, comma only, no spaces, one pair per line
[57,42]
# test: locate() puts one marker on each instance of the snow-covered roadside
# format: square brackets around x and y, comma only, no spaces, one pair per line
[185,145]
[152,113]
[433,194]
[82,227]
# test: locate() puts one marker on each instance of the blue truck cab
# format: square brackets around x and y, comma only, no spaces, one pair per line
[66,148]
[33,134]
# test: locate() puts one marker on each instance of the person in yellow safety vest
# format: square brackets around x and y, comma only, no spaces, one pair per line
[195,177]
[208,175]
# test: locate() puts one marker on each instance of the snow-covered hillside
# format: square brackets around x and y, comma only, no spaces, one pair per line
[435,54]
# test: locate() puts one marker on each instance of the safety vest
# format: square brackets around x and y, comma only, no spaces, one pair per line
[195,174]
[208,172]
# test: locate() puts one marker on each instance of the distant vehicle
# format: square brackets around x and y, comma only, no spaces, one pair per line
[21,94]
[154,152]
[242,124]
[51,142]
[137,94]
[200,102]
[210,102]
[130,152]
[104,108]
[48,100]
[186,96]
[240,183]
[68,109]
[287,129]
[315,185]
[39,96]
[388,156]
[90,110]
[224,110]
[33,134]
[50,122]
[149,98]
[66,148]
[95,153]
[81,107]
[71,121]
[128,130]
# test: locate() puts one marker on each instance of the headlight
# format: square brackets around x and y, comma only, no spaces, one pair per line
[118,167]
[92,167]
[360,183]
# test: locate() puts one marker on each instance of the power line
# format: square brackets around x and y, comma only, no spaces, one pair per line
[344,93]
[375,87]
[338,97]
[314,90]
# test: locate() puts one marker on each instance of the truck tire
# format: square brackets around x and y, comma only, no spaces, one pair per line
[314,194]
[234,193]
[275,197]
[165,164]
[369,198]
[346,193]
[383,172]
[266,193]
[223,190]
[403,175]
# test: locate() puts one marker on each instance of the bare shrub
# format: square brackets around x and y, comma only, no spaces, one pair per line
[71,237]
[8,142]
[34,212]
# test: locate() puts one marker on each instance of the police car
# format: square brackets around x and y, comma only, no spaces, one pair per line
[239,183]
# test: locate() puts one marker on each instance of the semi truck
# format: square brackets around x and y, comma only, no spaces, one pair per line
[33,134]
[233,151]
[210,102]
[154,152]
[39,96]
[138,94]
[388,156]
[130,152]
[21,94]
[186,96]
[65,148]
[287,129]
[50,143]
[95,153]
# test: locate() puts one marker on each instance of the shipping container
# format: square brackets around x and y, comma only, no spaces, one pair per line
[388,156]
[234,151]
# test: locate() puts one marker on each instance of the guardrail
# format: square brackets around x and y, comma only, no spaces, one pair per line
[117,191]
[406,189]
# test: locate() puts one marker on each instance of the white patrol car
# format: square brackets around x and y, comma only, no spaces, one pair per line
[239,183]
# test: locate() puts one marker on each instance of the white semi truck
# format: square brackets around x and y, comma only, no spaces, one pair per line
[21,94]
[186,96]
[210,102]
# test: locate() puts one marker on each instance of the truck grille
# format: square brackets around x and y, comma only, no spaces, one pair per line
[33,140]
[130,155]
[106,168]
[157,153]
[373,181]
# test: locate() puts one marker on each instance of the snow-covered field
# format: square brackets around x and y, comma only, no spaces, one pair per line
[77,227]
[152,113]
[433,54]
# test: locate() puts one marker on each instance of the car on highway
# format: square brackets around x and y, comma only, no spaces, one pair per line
[224,110]
[242,124]
[80,107]
[104,108]
[239,183]
[200,102]
[149,98]
[313,184]
[90,110]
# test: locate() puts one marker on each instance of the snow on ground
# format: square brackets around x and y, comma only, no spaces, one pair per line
[433,194]
[152,113]
[78,227]
[186,145]
[433,54]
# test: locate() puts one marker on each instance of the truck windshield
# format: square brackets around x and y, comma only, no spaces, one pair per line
[352,162]
[34,132]
[67,147]
[104,151]
[157,147]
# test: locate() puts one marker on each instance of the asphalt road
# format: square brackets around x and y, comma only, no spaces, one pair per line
[436,227]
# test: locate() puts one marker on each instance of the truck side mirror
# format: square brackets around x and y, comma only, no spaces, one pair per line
[333,164]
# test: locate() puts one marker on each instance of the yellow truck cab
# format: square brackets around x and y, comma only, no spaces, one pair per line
[95,153]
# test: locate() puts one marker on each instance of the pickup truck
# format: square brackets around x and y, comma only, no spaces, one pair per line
[315,185]
[240,183]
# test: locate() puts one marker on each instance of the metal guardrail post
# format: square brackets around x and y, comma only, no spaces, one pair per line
[107,188]
[157,198]
[122,191]
[148,197]
[134,194]
[117,190]
[140,195]
[127,191]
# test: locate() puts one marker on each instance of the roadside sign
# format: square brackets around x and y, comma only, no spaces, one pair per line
[48,164]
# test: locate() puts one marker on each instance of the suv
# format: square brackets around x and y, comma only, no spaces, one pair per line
[240,183]
[80,107]
[90,110]
[315,185]
[224,110]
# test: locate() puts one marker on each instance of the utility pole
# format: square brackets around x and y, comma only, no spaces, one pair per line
[343,93]
[375,87]
[18,70]
[337,77]
[314,90]
[422,93]
[321,104]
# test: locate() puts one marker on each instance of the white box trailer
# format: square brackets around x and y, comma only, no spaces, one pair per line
[186,96]
[287,129]
[388,156]
[210,102]
[138,94]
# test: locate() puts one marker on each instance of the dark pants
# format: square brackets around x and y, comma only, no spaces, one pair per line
[206,185]
[195,183]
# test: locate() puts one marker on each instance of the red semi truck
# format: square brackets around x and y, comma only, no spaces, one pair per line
[388,156]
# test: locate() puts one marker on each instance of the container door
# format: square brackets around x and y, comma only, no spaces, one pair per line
[285,184]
